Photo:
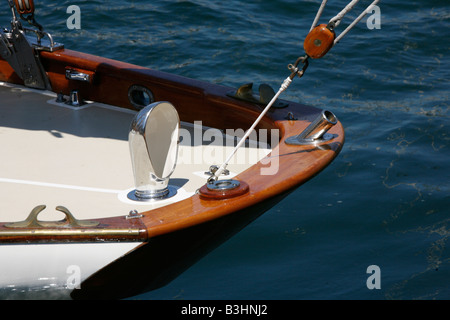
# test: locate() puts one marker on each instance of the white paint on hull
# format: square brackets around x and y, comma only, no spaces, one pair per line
[53,270]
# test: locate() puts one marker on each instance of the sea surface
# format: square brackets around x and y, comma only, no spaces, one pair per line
[375,224]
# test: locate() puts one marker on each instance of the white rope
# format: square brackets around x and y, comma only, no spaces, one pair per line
[350,26]
[283,87]
[319,13]
[337,19]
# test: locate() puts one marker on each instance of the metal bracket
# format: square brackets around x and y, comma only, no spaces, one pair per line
[266,93]
[42,44]
[316,132]
[72,74]
[17,51]
[213,169]
[69,221]
[22,51]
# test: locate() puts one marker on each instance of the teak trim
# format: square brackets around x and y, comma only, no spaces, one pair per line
[195,100]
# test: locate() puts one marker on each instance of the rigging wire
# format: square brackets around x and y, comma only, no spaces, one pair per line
[351,25]
[333,22]
[337,19]
[319,13]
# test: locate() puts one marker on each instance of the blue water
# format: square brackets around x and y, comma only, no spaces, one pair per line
[384,201]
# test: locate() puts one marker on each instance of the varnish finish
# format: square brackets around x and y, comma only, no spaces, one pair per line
[172,237]
[196,100]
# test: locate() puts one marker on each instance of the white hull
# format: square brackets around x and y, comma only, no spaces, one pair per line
[78,165]
[53,270]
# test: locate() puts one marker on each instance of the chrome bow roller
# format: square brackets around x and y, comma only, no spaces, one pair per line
[153,141]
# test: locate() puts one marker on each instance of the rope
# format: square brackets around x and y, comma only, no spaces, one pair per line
[350,26]
[294,71]
[319,13]
[335,21]
[219,171]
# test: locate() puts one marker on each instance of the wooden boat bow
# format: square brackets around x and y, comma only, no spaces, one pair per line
[172,237]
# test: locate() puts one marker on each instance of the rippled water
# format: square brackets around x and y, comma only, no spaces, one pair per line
[384,201]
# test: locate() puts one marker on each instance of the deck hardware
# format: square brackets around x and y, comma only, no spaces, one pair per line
[227,184]
[69,221]
[5,49]
[21,50]
[19,53]
[290,116]
[24,7]
[214,168]
[60,98]
[153,141]
[140,96]
[134,214]
[319,41]
[316,132]
[26,13]
[266,93]
[43,44]
[223,189]
[74,99]
[77,75]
